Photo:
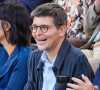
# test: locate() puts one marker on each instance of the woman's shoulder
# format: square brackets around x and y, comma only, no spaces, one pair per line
[24,50]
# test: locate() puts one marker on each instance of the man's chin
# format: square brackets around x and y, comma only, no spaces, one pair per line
[41,48]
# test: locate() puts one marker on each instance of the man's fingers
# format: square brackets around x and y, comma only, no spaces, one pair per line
[85,79]
[80,82]
[95,87]
[77,87]
[69,89]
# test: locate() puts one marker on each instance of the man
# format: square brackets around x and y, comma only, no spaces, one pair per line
[56,56]
[92,25]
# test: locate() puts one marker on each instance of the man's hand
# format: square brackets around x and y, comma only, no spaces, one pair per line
[77,42]
[87,85]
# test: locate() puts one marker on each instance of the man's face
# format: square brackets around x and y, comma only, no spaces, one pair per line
[48,40]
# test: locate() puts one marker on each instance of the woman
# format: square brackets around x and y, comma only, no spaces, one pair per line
[14,40]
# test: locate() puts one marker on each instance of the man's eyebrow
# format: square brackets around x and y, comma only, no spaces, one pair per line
[33,25]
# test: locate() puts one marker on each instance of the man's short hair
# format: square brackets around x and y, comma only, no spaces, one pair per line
[51,9]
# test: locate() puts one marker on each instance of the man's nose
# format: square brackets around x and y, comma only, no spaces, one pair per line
[39,31]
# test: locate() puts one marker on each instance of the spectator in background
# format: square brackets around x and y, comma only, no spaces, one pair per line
[56,56]
[75,31]
[30,4]
[92,25]
[15,37]
[92,29]
[92,22]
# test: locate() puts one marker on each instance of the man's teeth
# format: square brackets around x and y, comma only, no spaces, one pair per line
[43,40]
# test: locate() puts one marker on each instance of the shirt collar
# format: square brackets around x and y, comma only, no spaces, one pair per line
[44,58]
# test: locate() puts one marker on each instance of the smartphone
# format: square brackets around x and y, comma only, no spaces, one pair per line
[63,79]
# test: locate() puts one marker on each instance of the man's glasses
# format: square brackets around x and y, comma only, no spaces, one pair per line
[43,28]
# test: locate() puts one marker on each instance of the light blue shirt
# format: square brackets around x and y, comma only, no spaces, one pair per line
[49,79]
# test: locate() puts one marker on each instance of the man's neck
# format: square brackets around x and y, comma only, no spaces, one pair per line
[51,54]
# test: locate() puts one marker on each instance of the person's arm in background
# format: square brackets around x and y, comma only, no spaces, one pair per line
[92,18]
[79,38]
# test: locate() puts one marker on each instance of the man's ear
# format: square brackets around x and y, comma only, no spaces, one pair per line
[7,26]
[63,30]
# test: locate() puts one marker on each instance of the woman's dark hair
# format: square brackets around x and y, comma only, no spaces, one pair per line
[17,16]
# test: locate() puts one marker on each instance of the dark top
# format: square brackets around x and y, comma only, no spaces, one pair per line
[13,69]
[30,4]
[70,62]
[96,80]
